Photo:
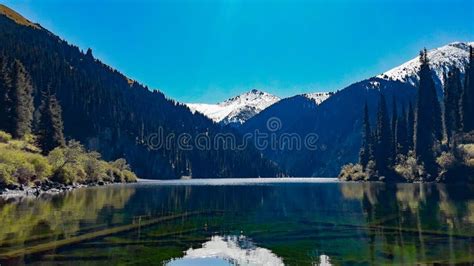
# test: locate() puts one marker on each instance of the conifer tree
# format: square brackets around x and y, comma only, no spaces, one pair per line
[468,95]
[426,117]
[438,120]
[22,98]
[383,139]
[16,98]
[50,126]
[394,128]
[410,127]
[402,134]
[452,100]
[6,90]
[365,153]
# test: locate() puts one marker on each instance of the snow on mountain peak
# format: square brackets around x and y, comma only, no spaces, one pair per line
[318,97]
[238,109]
[442,60]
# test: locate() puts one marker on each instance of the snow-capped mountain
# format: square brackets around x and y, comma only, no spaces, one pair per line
[238,109]
[318,97]
[442,60]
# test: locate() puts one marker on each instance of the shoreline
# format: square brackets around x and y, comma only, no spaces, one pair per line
[47,188]
[238,181]
[53,188]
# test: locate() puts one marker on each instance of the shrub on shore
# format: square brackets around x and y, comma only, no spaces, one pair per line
[73,164]
[409,169]
[352,172]
[5,137]
[21,163]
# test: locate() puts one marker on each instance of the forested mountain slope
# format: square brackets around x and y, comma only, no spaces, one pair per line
[337,123]
[114,115]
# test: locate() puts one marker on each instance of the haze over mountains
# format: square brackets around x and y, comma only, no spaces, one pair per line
[114,115]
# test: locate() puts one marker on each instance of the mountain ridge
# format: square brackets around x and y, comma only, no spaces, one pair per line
[442,59]
[239,109]
[15,16]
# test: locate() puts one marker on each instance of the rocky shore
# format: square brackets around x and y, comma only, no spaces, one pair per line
[46,187]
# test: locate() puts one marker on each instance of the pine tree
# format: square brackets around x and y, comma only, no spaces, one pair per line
[426,117]
[22,98]
[402,134]
[410,127]
[16,98]
[394,132]
[6,90]
[383,139]
[452,99]
[365,153]
[468,95]
[50,126]
[438,120]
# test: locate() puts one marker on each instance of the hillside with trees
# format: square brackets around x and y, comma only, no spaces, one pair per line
[106,111]
[424,143]
[33,151]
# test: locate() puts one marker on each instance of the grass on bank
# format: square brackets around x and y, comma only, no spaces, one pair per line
[21,163]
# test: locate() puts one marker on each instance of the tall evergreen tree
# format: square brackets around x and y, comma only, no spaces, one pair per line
[468,95]
[16,98]
[50,126]
[22,98]
[383,139]
[402,134]
[365,153]
[452,100]
[6,90]
[394,129]
[426,117]
[411,127]
[438,120]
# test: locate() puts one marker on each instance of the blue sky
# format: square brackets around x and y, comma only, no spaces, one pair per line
[207,51]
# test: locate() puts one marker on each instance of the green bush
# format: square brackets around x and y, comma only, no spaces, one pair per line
[23,167]
[23,145]
[22,163]
[73,164]
[409,169]
[120,164]
[129,176]
[468,154]
[119,171]
[5,137]
[352,172]
[446,161]
[6,172]
[69,174]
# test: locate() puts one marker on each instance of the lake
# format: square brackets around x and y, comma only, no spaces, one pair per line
[242,222]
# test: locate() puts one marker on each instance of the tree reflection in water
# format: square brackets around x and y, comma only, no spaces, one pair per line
[366,223]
